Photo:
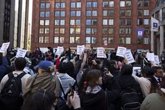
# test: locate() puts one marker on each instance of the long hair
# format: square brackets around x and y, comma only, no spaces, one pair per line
[40,100]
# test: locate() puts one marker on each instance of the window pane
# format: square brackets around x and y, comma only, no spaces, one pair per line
[41,22]
[122,3]
[61,39]
[56,39]
[46,39]
[128,40]
[41,39]
[46,22]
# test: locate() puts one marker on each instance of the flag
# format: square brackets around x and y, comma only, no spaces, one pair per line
[140,32]
[154,24]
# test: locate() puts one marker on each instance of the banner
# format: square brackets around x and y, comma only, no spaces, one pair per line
[154,24]
[140,32]
[101,52]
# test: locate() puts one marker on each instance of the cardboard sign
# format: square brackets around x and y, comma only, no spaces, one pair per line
[4,47]
[101,52]
[157,61]
[129,56]
[150,57]
[60,50]
[21,53]
[80,49]
[136,71]
[121,51]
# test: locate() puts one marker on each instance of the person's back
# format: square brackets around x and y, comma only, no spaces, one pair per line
[13,86]
[155,101]
[93,97]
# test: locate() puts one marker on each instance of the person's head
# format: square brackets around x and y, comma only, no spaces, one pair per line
[66,67]
[126,69]
[112,65]
[158,71]
[20,63]
[147,71]
[40,100]
[93,78]
[45,66]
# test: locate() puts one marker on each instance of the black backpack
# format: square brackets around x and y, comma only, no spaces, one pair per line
[130,99]
[11,95]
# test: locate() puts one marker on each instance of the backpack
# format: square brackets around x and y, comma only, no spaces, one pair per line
[130,99]
[11,94]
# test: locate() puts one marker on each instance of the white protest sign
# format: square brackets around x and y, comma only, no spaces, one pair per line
[136,71]
[150,57]
[80,49]
[4,47]
[121,51]
[60,50]
[21,53]
[101,52]
[129,56]
[157,61]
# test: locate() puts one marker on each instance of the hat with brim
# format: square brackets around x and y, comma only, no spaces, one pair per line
[45,65]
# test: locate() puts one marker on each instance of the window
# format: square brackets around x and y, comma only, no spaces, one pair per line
[128,40]
[42,5]
[60,5]
[91,13]
[146,12]
[46,30]
[111,22]
[146,21]
[47,14]
[42,14]
[140,21]
[60,13]
[146,40]
[140,13]
[56,39]
[75,4]
[62,22]
[47,5]
[107,4]
[128,13]
[122,3]
[42,22]
[75,30]
[91,30]
[46,22]
[90,40]
[128,3]
[57,22]
[41,30]
[41,39]
[75,13]
[91,4]
[146,3]
[46,39]
[74,22]
[61,39]
[121,40]
[91,22]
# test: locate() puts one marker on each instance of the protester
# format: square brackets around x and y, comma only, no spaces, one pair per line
[155,101]
[93,97]
[11,98]
[43,79]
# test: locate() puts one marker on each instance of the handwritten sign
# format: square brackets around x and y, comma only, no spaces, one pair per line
[101,52]
[21,53]
[4,47]
[150,57]
[80,49]
[60,50]
[157,61]
[121,51]
[129,56]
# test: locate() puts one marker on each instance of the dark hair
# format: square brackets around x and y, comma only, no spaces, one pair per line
[111,65]
[20,63]
[147,71]
[92,77]
[66,67]
[155,68]
[40,100]
[1,58]
[126,69]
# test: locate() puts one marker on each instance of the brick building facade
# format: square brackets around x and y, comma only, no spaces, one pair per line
[105,23]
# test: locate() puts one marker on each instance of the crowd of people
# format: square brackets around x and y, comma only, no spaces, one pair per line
[46,81]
